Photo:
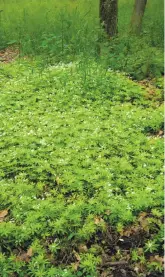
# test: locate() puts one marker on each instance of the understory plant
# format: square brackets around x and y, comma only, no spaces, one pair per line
[81,171]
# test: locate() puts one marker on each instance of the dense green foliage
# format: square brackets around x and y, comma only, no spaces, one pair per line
[81,161]
[63,30]
[79,153]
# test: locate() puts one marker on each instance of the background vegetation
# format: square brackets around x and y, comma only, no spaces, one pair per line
[65,30]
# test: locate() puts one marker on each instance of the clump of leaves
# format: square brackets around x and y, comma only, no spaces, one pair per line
[134,56]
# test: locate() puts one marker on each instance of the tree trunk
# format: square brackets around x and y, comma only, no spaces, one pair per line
[109,16]
[137,16]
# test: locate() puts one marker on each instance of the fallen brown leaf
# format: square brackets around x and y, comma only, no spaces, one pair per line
[82,248]
[98,220]
[157,258]
[104,274]
[30,252]
[160,133]
[131,230]
[107,212]
[77,256]
[142,216]
[143,220]
[3,214]
[25,256]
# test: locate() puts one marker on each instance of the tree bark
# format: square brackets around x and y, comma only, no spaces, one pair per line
[137,16]
[109,16]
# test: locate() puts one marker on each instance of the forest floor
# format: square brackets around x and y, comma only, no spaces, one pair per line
[81,148]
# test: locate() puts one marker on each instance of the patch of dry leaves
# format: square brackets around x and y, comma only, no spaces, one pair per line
[9,54]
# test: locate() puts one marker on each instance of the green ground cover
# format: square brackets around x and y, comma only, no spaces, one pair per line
[81,161]
[81,155]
